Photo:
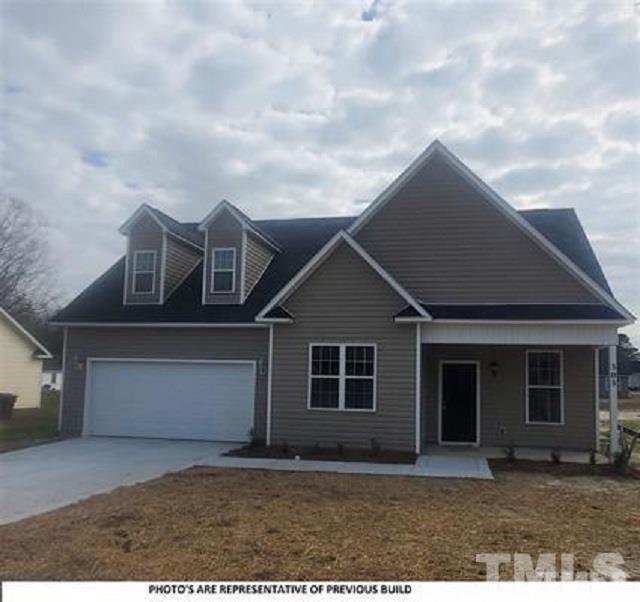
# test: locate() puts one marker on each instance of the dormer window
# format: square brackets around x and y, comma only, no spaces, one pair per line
[144,272]
[223,270]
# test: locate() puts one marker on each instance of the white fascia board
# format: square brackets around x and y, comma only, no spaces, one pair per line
[505,208]
[224,204]
[274,320]
[302,274]
[390,191]
[390,280]
[160,324]
[613,323]
[320,257]
[43,352]
[144,208]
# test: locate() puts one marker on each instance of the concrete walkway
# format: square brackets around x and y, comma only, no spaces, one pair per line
[426,466]
[46,477]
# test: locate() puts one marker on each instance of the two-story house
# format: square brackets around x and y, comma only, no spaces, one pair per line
[439,316]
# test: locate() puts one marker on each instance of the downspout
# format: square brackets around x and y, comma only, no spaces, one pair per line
[269,384]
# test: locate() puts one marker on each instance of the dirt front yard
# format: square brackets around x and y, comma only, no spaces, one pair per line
[217,524]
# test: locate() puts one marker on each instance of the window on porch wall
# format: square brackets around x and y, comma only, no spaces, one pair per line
[544,387]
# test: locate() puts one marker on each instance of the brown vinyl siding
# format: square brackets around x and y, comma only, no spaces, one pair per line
[344,301]
[180,260]
[223,232]
[173,343]
[447,243]
[256,261]
[502,397]
[145,235]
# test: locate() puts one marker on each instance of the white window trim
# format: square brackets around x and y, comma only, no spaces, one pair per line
[137,271]
[528,386]
[213,270]
[342,376]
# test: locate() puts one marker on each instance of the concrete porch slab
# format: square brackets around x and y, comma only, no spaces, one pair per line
[522,453]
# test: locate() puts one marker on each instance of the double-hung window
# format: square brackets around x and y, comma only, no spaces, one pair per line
[223,270]
[144,272]
[342,377]
[545,395]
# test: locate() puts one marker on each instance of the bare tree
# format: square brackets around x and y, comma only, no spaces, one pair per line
[26,272]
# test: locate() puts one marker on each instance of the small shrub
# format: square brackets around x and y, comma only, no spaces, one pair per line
[556,456]
[628,440]
[593,458]
[285,448]
[340,450]
[510,454]
[375,447]
[316,450]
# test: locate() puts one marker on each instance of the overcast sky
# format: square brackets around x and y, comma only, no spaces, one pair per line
[299,108]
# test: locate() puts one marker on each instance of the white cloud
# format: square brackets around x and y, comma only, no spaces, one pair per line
[308,108]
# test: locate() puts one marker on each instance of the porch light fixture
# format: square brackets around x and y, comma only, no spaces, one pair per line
[493,366]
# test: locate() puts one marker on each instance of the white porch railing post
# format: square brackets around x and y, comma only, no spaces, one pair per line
[614,435]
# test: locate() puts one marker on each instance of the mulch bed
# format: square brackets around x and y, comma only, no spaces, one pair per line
[219,524]
[324,453]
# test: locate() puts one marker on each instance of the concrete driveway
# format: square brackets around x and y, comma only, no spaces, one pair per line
[45,477]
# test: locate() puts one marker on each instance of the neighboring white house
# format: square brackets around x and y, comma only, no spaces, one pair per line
[21,357]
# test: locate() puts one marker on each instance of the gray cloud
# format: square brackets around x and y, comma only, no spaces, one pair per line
[310,108]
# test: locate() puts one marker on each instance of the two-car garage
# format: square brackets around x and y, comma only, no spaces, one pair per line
[174,399]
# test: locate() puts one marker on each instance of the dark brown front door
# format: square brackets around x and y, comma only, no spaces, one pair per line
[458,397]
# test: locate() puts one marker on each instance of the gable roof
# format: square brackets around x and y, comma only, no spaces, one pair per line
[43,353]
[299,240]
[439,149]
[319,258]
[185,232]
[244,220]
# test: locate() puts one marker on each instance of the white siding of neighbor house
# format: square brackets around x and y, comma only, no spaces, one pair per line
[20,372]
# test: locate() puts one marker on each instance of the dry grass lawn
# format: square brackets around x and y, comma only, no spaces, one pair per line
[215,524]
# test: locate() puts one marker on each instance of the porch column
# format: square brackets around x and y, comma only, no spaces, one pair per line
[614,438]
[418,387]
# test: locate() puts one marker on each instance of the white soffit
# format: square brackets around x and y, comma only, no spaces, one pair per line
[519,334]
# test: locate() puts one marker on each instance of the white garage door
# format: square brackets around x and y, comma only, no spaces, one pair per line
[172,400]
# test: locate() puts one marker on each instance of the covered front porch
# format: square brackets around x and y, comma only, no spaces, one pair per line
[530,388]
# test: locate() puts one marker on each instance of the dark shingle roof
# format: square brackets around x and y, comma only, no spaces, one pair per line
[299,240]
[520,311]
[563,228]
[255,224]
[188,230]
